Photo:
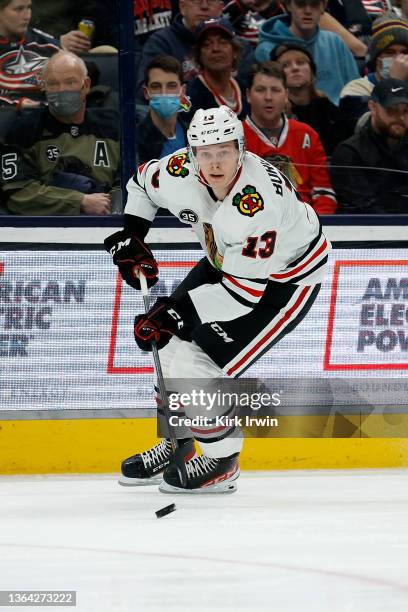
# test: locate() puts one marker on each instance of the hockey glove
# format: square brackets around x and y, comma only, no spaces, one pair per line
[159,324]
[131,255]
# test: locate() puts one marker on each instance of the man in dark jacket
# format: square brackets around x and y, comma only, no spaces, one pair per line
[178,39]
[370,170]
[161,132]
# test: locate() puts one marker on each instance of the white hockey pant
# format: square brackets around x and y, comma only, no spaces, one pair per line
[186,360]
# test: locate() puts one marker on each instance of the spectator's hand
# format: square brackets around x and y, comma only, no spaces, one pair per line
[76,42]
[96,204]
[28,103]
[399,67]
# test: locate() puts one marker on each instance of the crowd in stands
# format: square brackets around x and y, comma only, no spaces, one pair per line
[320,85]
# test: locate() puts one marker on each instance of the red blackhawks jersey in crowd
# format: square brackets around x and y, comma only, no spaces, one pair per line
[261,230]
[300,155]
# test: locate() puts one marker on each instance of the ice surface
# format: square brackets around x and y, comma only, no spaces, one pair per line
[286,541]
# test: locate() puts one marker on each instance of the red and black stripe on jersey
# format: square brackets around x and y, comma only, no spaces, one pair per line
[315,257]
[246,291]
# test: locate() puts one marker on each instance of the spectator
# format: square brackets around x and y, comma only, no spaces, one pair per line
[74,151]
[308,104]
[247,17]
[178,39]
[335,63]
[161,132]
[217,53]
[23,51]
[292,146]
[387,56]
[370,169]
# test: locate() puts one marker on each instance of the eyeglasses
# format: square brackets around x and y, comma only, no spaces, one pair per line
[209,2]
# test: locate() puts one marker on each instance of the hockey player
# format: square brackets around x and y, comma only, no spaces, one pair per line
[265,258]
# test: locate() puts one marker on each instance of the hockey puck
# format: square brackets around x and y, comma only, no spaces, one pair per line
[166,510]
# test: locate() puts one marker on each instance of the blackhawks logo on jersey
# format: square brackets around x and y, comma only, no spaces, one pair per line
[176,163]
[249,202]
[285,165]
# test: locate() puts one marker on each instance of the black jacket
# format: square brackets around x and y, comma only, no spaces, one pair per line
[380,186]
[324,117]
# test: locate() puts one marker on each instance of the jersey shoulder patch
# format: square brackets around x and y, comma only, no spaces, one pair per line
[177,165]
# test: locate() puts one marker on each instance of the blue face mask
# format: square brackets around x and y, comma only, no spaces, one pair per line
[165,105]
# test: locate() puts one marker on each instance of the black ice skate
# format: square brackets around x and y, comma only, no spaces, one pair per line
[146,468]
[204,475]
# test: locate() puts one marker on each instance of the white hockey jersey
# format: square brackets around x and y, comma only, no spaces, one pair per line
[261,231]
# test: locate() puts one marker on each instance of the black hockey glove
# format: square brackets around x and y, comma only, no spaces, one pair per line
[159,324]
[131,254]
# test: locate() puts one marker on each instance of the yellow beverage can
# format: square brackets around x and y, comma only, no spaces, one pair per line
[87,26]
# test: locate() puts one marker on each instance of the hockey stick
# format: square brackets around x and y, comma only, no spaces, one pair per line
[177,451]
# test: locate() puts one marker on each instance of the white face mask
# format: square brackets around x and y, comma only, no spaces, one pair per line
[385,67]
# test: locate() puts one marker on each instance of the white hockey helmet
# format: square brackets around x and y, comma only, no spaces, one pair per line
[215,126]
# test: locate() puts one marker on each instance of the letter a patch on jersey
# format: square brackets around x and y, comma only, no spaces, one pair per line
[101,154]
[249,202]
[176,163]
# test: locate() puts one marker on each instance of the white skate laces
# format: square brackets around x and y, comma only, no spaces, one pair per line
[200,466]
[157,454]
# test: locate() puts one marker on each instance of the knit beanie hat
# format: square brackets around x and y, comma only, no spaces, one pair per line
[386,31]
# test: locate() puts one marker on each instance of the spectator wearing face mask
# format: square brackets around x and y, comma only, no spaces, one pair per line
[72,152]
[162,130]
[387,57]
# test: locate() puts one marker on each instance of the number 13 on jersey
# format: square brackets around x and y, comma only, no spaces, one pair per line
[266,244]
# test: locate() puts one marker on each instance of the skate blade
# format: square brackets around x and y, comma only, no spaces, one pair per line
[126,481]
[229,486]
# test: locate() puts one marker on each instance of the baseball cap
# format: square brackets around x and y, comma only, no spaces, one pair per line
[289,46]
[389,92]
[221,24]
